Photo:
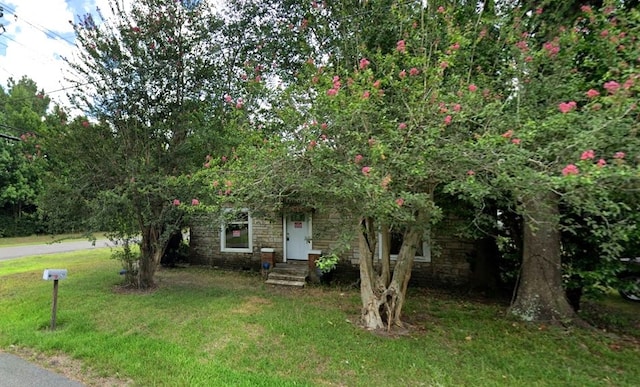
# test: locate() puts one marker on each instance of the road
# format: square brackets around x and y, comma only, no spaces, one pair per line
[61,247]
[15,371]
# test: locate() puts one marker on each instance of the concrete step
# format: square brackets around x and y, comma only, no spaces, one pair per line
[287,276]
[298,284]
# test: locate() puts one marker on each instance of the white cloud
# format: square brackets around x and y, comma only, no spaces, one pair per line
[38,34]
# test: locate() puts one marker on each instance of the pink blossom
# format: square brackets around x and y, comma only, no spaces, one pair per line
[444,65]
[366,94]
[612,86]
[570,169]
[207,164]
[473,88]
[516,141]
[195,202]
[366,171]
[176,202]
[324,126]
[508,133]
[400,46]
[539,11]
[440,9]
[358,159]
[399,202]
[228,99]
[601,163]
[523,46]
[566,107]
[376,84]
[457,107]
[588,155]
[447,120]
[215,183]
[239,104]
[312,144]
[228,183]
[593,93]
[455,46]
[315,80]
[402,126]
[471,172]
[414,71]
[332,92]
[586,9]
[552,48]
[224,159]
[385,181]
[85,124]
[402,74]
[619,155]
[336,82]
[364,62]
[628,83]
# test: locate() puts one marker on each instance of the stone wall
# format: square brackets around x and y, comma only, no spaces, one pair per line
[448,265]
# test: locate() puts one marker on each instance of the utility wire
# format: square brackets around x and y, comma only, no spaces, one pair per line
[49,33]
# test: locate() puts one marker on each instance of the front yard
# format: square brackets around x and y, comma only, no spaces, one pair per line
[211,327]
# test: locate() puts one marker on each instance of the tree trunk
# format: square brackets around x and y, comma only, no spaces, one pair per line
[396,293]
[383,299]
[370,294]
[540,294]
[151,251]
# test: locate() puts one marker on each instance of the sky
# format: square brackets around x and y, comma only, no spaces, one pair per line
[35,35]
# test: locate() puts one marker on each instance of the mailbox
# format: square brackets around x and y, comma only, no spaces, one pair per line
[54,274]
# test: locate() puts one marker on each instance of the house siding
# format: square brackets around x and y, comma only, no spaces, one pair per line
[449,258]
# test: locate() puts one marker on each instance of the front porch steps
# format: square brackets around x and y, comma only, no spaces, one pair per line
[288,274]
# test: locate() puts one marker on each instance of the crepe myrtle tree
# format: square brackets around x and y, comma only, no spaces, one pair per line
[567,139]
[147,76]
[372,140]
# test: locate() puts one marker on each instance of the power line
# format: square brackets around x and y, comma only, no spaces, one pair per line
[49,33]
[6,136]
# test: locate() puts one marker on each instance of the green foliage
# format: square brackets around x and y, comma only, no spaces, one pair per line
[327,263]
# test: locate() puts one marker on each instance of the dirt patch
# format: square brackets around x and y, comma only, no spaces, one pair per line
[69,367]
[251,306]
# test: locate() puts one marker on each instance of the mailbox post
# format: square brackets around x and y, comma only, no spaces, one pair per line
[55,275]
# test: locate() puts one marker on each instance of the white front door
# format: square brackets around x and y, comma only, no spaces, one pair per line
[297,235]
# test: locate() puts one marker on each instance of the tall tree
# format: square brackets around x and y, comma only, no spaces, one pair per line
[150,79]
[23,108]
[567,127]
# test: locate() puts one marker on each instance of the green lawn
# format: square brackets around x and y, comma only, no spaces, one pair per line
[205,327]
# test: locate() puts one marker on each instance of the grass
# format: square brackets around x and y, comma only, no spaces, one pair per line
[204,327]
[42,239]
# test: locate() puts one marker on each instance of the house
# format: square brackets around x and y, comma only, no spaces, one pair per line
[245,242]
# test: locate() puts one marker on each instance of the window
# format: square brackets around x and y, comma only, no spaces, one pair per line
[236,234]
[423,252]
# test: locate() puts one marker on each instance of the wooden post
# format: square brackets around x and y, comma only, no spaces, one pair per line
[54,307]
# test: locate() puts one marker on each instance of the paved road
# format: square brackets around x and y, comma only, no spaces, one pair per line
[16,372]
[28,250]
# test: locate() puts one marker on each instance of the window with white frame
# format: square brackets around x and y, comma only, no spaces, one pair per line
[236,234]
[423,252]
